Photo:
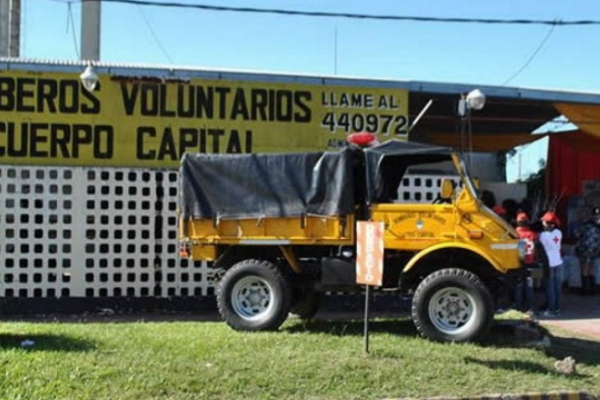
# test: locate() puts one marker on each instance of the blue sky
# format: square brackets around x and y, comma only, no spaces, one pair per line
[464,53]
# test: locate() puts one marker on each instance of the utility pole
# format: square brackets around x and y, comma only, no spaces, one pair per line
[90,30]
[10,28]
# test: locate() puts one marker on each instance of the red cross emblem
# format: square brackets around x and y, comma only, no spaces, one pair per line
[555,239]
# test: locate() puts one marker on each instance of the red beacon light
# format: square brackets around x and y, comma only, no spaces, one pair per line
[362,139]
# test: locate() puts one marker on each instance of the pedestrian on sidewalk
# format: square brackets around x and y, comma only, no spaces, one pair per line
[587,249]
[524,296]
[551,240]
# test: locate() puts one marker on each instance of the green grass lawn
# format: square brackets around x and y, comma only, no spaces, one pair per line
[321,360]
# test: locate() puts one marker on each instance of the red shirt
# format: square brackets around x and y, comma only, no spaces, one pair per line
[529,237]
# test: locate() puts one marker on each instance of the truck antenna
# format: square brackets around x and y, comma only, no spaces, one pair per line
[423,111]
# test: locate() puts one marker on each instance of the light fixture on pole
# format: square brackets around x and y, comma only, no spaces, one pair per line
[89,78]
[474,100]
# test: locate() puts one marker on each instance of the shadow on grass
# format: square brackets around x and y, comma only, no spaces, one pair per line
[520,365]
[502,335]
[353,327]
[512,365]
[582,350]
[45,342]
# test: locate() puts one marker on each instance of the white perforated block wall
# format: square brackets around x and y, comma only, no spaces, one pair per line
[93,232]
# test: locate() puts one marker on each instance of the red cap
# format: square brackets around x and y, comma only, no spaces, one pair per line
[499,210]
[522,217]
[551,218]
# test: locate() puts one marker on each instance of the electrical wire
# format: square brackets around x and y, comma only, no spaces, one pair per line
[71,22]
[156,39]
[532,57]
[326,14]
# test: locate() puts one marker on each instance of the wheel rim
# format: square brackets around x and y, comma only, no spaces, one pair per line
[452,310]
[251,297]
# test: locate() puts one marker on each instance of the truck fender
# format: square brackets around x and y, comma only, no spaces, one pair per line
[465,246]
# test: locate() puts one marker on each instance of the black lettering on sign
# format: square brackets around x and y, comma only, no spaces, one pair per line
[82,135]
[222,95]
[164,102]
[215,102]
[60,136]
[94,107]
[167,146]
[300,99]
[43,140]
[259,100]
[234,145]
[69,94]
[284,106]
[12,149]
[271,105]
[7,94]
[44,95]
[142,153]
[103,142]
[172,144]
[47,94]
[38,138]
[240,108]
[185,104]
[188,139]
[215,135]
[129,97]
[248,141]
[25,94]
[149,99]
[205,102]
[202,135]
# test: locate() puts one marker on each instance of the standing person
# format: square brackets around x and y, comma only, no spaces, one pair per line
[551,241]
[524,297]
[587,249]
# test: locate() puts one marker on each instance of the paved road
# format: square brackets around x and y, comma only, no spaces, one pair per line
[580,314]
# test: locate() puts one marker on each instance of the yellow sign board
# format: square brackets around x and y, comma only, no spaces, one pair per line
[50,119]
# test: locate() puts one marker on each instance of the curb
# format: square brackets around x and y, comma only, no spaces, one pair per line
[554,395]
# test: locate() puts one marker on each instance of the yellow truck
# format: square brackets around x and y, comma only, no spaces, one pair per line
[282,228]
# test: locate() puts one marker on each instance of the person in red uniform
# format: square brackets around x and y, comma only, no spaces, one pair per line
[551,240]
[524,296]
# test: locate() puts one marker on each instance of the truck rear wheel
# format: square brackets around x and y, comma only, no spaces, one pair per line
[452,305]
[306,304]
[254,295]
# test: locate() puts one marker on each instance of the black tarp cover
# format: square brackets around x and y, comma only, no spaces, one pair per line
[295,184]
[266,185]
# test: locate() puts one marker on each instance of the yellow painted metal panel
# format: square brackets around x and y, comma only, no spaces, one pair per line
[309,230]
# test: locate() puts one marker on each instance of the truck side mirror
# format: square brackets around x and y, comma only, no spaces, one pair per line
[447,189]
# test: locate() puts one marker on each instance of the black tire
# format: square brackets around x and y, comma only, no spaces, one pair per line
[306,304]
[254,295]
[452,305]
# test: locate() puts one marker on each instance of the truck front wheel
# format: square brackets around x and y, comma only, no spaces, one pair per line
[452,305]
[254,295]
